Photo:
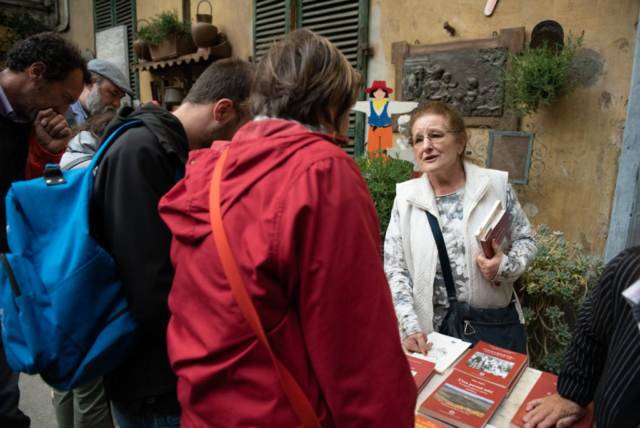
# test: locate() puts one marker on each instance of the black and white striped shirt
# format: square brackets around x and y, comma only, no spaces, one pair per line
[603,362]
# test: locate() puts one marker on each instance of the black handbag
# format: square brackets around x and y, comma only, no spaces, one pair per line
[500,327]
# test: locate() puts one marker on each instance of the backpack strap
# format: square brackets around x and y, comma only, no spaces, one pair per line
[301,405]
[76,162]
[110,139]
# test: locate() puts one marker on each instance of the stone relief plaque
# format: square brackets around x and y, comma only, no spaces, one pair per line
[463,73]
[466,80]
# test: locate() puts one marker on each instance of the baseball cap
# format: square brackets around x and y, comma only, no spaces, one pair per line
[109,71]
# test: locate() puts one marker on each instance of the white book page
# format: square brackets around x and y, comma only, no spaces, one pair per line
[444,352]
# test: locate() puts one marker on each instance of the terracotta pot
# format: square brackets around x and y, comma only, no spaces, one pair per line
[203,32]
[139,47]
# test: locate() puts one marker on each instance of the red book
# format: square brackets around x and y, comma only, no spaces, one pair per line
[546,386]
[494,364]
[495,226]
[422,371]
[464,401]
[422,422]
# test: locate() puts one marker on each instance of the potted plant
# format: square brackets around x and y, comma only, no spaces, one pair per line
[539,76]
[167,36]
[552,290]
[382,173]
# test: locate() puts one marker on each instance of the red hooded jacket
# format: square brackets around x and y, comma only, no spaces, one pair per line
[304,234]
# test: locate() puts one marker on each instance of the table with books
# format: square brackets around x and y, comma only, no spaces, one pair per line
[476,387]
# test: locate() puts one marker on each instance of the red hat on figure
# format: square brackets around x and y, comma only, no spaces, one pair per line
[379,84]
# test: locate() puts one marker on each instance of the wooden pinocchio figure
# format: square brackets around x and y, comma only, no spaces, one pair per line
[379,111]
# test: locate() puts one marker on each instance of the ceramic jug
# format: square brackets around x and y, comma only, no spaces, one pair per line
[141,50]
[203,32]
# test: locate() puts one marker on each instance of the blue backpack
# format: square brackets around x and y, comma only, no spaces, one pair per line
[62,307]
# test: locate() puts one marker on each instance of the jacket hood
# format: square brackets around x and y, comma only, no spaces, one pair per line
[258,148]
[83,143]
[167,129]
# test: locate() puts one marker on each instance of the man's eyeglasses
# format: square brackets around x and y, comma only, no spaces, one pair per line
[435,137]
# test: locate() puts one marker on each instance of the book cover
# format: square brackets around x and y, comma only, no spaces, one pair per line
[423,422]
[495,209]
[444,352]
[464,401]
[422,371]
[500,230]
[546,386]
[494,364]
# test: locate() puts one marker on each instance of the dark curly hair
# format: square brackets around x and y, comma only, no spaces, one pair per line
[60,56]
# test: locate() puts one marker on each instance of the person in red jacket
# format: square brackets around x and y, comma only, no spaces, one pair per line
[304,233]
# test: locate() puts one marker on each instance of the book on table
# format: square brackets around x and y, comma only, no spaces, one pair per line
[494,364]
[444,352]
[546,386]
[494,227]
[425,422]
[463,401]
[422,371]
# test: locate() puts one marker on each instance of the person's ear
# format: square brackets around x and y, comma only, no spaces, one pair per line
[223,110]
[462,142]
[36,72]
[93,82]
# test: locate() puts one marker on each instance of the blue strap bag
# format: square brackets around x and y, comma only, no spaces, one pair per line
[63,311]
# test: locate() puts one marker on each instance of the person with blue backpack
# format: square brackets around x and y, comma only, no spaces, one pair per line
[44,75]
[143,163]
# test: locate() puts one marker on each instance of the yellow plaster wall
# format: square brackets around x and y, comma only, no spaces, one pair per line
[583,133]
[81,25]
[235,19]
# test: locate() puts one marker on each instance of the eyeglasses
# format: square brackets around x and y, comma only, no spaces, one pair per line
[435,137]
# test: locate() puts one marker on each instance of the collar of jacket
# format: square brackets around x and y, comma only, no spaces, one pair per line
[423,196]
[273,128]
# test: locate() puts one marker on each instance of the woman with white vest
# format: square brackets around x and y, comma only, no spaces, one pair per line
[459,195]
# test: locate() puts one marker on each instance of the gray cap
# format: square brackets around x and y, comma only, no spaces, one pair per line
[109,71]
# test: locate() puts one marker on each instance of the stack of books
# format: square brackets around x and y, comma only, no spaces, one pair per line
[422,422]
[546,386]
[422,371]
[496,227]
[470,395]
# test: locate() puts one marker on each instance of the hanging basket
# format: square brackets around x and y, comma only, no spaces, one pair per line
[172,48]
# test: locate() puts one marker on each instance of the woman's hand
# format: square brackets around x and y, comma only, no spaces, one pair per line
[417,343]
[490,267]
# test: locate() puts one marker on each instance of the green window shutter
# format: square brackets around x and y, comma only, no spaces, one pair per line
[271,22]
[345,24]
[112,13]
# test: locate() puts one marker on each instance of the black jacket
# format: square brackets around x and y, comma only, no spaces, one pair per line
[14,147]
[136,171]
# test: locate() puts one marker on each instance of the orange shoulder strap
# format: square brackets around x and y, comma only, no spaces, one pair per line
[301,405]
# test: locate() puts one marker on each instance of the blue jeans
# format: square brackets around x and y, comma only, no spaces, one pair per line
[128,418]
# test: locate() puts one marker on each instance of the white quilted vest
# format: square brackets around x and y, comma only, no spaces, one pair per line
[483,187]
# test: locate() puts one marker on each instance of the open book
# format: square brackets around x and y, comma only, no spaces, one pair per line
[445,351]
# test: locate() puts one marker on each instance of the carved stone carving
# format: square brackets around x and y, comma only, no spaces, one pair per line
[466,80]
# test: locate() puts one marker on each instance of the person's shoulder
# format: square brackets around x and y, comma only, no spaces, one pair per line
[137,139]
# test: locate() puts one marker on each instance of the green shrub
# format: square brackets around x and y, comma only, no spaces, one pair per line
[164,26]
[20,25]
[539,76]
[559,281]
[382,173]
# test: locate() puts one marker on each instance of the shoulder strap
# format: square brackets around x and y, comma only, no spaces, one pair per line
[76,162]
[443,255]
[301,405]
[103,148]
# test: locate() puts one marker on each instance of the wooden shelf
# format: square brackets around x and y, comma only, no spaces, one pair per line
[223,50]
